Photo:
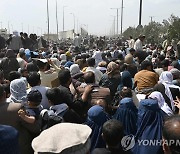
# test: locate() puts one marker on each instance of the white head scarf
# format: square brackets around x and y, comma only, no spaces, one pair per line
[18,91]
[161,102]
[74,69]
[166,79]
[63,57]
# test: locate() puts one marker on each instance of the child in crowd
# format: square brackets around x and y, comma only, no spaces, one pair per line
[33,108]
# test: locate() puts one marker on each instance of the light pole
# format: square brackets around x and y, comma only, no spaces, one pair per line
[117,9]
[57,19]
[47,17]
[63,17]
[122,16]
[74,21]
[140,12]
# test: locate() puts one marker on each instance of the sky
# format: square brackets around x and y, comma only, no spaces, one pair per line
[96,16]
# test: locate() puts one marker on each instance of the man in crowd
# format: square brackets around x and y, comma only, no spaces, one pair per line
[138,46]
[91,67]
[145,79]
[171,135]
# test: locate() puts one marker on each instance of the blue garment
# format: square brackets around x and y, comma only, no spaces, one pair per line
[150,123]
[126,80]
[68,64]
[8,140]
[127,115]
[96,118]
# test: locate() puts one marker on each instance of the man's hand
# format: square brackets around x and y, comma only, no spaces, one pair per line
[21,113]
[177,102]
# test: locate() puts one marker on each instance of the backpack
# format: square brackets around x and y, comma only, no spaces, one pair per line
[52,116]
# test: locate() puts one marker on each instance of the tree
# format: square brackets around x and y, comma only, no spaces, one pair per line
[156,32]
[174,28]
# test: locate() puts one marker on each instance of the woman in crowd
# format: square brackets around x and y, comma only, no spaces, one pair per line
[127,112]
[95,120]
[161,102]
[18,91]
[111,79]
[149,127]
[168,89]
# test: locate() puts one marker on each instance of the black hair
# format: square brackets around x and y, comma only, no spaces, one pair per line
[25,35]
[22,70]
[141,55]
[123,67]
[21,54]
[31,67]
[165,63]
[14,75]
[91,62]
[89,77]
[171,131]
[64,76]
[33,79]
[120,56]
[126,92]
[145,64]
[161,57]
[40,64]
[35,97]
[112,132]
[55,96]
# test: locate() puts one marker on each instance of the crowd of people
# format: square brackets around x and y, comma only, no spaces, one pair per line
[89,95]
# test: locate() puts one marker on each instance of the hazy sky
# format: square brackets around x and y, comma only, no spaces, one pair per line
[94,15]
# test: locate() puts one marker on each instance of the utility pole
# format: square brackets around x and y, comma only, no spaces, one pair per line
[122,17]
[140,13]
[63,17]
[74,21]
[57,20]
[47,17]
[117,9]
[151,18]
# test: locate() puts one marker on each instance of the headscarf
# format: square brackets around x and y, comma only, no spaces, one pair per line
[10,54]
[96,118]
[161,102]
[9,140]
[63,57]
[18,91]
[150,123]
[126,80]
[74,69]
[68,64]
[166,79]
[127,115]
[112,69]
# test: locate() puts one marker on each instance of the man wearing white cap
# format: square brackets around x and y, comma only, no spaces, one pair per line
[63,138]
